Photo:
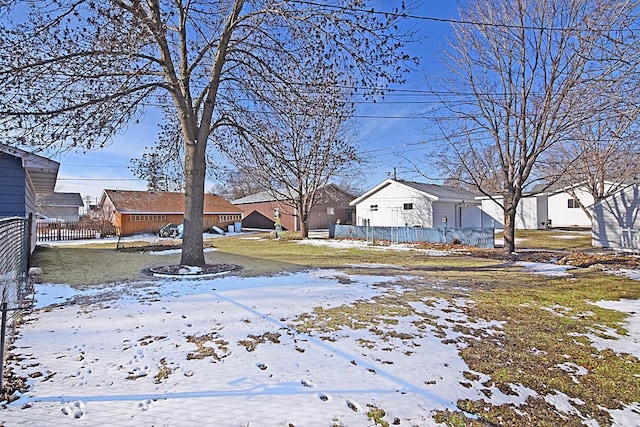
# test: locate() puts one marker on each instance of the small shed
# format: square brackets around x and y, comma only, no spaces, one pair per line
[134,212]
[64,206]
[616,220]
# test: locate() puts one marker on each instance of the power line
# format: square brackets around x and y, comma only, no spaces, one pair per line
[402,15]
[100,179]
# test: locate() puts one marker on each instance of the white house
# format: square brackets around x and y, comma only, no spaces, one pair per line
[552,208]
[531,213]
[564,209]
[616,220]
[406,203]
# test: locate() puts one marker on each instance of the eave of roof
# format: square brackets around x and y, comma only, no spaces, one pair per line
[42,172]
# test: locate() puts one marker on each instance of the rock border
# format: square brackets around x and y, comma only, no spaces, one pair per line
[177,271]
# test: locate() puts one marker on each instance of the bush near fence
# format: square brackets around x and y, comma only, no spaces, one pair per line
[480,237]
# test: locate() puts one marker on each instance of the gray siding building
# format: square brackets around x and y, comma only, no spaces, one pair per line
[64,206]
[616,220]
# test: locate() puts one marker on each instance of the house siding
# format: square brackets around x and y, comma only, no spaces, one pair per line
[321,218]
[129,227]
[469,216]
[563,216]
[15,187]
[390,211]
[526,214]
[66,213]
[620,210]
[444,210]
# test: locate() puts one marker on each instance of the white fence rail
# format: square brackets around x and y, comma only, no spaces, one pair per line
[630,239]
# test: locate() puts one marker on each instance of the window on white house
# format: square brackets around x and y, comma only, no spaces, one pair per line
[407,206]
[573,204]
[373,208]
[331,211]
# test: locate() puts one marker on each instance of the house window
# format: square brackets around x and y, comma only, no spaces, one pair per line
[407,206]
[148,218]
[373,208]
[573,204]
[331,211]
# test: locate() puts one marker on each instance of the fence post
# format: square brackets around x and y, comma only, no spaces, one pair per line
[2,340]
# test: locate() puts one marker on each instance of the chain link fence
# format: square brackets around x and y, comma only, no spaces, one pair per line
[15,249]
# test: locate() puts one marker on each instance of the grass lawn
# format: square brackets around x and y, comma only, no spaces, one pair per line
[545,319]
[553,239]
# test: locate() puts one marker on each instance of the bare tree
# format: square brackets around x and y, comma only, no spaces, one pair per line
[236,184]
[297,143]
[73,73]
[162,164]
[521,72]
[603,155]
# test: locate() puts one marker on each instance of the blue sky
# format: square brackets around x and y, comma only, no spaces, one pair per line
[387,138]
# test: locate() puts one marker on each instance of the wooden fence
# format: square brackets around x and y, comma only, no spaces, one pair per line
[73,231]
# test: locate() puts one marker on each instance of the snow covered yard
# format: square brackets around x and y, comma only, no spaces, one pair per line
[229,351]
[219,352]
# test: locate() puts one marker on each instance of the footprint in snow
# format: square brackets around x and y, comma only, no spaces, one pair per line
[144,405]
[324,397]
[307,383]
[82,375]
[138,371]
[74,409]
[353,405]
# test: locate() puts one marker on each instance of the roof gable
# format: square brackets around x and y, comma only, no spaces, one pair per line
[135,202]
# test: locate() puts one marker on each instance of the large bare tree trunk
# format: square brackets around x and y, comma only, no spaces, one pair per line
[192,252]
[304,222]
[509,225]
